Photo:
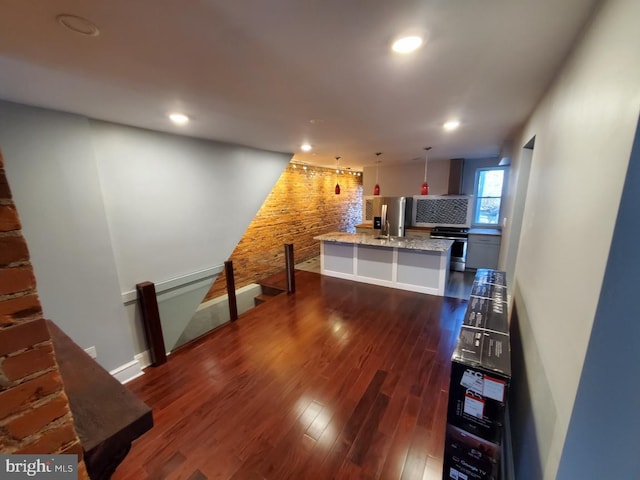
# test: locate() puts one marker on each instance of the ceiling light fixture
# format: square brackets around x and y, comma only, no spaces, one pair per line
[406,45]
[78,25]
[376,188]
[337,189]
[305,147]
[424,189]
[179,118]
[451,125]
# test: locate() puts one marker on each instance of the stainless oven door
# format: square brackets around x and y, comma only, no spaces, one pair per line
[458,252]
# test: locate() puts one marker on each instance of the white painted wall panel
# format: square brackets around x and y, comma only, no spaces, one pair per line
[584,128]
[53,176]
[405,180]
[338,257]
[106,206]
[177,205]
[418,268]
[375,262]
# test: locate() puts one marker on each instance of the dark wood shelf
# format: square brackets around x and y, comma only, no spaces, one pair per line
[108,417]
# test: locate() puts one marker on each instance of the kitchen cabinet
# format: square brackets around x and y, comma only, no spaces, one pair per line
[483,251]
[414,265]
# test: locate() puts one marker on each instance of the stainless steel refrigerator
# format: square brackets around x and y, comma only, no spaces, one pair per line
[391,215]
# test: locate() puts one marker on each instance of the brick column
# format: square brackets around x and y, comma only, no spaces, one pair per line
[34,409]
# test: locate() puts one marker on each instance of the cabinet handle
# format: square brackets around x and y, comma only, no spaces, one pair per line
[485,240]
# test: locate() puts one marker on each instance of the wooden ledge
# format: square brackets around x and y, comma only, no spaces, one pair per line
[108,417]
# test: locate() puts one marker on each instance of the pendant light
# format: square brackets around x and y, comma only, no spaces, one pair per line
[376,189]
[424,190]
[337,190]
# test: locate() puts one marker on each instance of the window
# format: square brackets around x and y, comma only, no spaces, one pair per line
[489,182]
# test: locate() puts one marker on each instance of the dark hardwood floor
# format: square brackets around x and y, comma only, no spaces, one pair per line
[339,380]
[459,285]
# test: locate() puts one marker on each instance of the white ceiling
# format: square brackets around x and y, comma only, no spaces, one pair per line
[256,72]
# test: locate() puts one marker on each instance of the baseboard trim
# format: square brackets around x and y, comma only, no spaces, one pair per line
[508,471]
[127,372]
[143,359]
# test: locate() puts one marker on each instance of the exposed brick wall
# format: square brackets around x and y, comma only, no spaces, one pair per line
[301,205]
[34,409]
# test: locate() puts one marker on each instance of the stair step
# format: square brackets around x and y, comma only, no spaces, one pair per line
[266,296]
[260,299]
[271,291]
[276,281]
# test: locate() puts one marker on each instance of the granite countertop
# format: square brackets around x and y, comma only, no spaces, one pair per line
[485,231]
[413,229]
[394,242]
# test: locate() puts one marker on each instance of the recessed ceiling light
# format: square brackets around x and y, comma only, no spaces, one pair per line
[179,118]
[78,25]
[407,44]
[305,147]
[451,125]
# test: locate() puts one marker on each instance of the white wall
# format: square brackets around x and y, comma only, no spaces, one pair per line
[405,180]
[513,210]
[176,205]
[54,180]
[602,440]
[105,206]
[584,128]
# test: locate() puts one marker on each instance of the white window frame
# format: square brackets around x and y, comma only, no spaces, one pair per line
[477,197]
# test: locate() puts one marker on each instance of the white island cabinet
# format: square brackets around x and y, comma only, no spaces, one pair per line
[417,265]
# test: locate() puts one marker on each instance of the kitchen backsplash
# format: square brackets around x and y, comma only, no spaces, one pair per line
[441,210]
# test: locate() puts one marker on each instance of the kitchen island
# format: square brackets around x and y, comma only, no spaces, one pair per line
[414,264]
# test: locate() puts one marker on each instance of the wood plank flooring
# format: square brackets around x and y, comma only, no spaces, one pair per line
[459,285]
[340,380]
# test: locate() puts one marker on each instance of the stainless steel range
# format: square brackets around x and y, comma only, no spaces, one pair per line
[460,237]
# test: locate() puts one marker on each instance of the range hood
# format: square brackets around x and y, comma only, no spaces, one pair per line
[455,176]
[441,211]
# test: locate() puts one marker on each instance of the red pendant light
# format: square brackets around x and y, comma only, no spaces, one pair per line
[424,189]
[376,189]
[337,189]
